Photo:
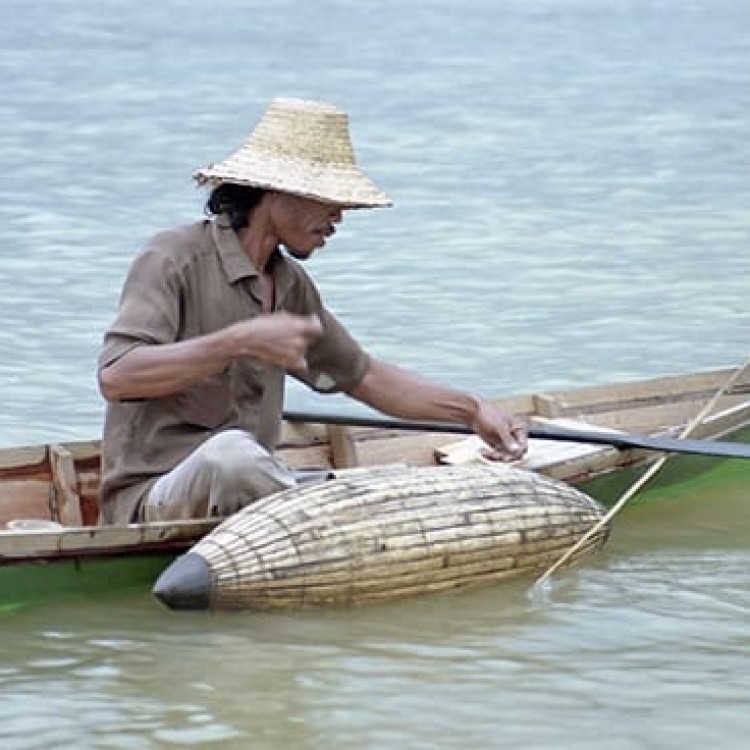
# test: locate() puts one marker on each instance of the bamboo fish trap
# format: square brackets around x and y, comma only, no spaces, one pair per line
[375,535]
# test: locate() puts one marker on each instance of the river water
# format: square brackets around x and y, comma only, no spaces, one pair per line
[571,190]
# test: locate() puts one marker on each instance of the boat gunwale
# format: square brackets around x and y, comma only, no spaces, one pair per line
[101,541]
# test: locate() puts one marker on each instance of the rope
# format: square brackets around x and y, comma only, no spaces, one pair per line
[653,469]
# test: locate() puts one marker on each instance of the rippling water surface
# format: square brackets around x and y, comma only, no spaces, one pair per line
[646,646]
[571,206]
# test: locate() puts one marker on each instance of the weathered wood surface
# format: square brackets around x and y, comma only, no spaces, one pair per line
[55,542]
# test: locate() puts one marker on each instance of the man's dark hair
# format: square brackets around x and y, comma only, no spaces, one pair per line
[234,200]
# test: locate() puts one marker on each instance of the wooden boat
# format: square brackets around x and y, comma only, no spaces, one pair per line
[50,543]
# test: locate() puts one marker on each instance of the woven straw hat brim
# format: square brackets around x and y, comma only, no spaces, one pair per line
[340,185]
[300,147]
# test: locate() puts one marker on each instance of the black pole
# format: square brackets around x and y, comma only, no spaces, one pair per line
[662,444]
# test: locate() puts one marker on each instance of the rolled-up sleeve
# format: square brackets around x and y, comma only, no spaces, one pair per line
[149,307]
[336,362]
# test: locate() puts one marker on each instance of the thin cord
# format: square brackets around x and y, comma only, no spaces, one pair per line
[653,469]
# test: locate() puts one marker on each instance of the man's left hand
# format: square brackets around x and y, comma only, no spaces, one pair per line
[505,434]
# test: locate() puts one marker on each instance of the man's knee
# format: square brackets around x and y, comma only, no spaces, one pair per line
[230,445]
[227,472]
[234,454]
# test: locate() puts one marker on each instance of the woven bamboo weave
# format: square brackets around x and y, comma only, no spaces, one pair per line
[373,536]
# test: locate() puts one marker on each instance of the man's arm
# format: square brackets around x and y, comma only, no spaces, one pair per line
[407,395]
[153,370]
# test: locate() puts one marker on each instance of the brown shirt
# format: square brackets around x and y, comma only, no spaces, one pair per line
[187,282]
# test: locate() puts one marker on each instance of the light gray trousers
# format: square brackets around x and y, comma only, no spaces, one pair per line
[226,473]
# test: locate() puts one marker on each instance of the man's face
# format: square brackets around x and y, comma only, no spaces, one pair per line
[301,224]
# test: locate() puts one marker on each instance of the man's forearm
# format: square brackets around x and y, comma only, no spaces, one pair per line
[280,339]
[151,371]
[407,395]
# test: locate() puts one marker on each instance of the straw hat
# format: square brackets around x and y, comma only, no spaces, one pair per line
[300,147]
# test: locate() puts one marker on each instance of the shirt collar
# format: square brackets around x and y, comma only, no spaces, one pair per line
[237,265]
[233,258]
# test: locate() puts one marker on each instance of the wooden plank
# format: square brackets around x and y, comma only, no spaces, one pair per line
[23,461]
[298,433]
[65,484]
[548,406]
[311,457]
[99,541]
[520,404]
[89,488]
[32,455]
[84,450]
[696,386]
[24,498]
[343,449]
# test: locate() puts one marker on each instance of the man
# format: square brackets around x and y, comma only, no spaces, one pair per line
[213,315]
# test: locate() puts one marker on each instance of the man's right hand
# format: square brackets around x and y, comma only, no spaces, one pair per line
[279,339]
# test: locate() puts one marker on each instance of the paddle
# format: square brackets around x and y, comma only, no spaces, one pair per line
[544,432]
